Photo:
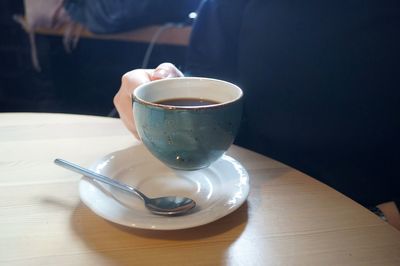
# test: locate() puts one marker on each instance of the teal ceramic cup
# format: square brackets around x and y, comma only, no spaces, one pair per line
[179,134]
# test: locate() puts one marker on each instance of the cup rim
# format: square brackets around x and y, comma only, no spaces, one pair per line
[135,98]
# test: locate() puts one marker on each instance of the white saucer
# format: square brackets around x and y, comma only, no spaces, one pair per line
[218,190]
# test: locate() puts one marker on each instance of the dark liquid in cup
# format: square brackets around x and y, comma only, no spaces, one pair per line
[187,102]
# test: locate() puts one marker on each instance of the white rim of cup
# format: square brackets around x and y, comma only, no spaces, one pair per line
[170,107]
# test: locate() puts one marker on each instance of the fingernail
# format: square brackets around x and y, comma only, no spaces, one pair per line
[160,73]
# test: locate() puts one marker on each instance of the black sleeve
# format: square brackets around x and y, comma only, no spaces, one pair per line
[214,41]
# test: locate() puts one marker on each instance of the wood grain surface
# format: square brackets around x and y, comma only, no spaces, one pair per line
[288,219]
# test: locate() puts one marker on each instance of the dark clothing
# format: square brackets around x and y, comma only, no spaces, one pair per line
[321,81]
[124,15]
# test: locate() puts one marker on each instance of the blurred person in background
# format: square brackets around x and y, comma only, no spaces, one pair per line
[321,82]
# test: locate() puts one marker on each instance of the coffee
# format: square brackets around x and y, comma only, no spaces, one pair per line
[187,102]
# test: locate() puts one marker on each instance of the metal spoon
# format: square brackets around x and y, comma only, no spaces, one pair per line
[171,205]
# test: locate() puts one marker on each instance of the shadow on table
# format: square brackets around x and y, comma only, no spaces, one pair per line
[122,244]
[84,219]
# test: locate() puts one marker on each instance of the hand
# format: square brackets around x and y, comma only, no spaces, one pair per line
[391,212]
[130,81]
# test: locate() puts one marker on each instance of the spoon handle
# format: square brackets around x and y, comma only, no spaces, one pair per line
[98,177]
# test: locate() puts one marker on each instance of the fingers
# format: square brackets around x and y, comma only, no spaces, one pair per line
[123,98]
[130,81]
[391,213]
[166,70]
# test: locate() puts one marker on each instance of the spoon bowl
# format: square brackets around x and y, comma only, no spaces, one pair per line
[168,205]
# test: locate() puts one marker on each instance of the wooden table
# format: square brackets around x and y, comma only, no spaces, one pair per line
[288,219]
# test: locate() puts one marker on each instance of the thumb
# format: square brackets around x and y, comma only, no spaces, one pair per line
[166,70]
[160,73]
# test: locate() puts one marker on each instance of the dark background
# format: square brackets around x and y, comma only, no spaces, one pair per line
[82,82]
